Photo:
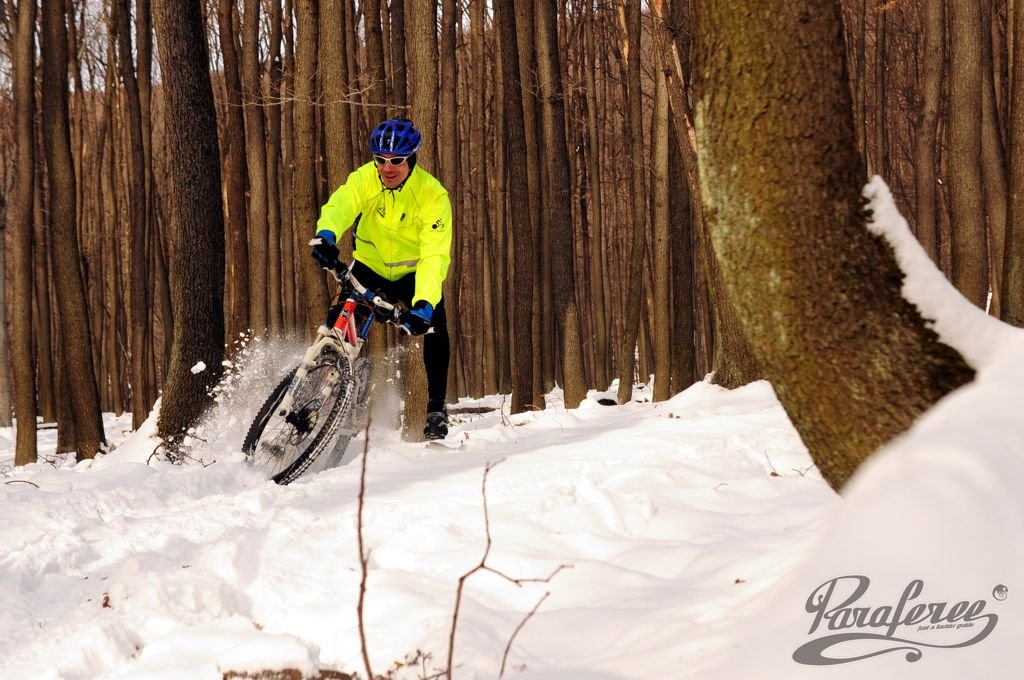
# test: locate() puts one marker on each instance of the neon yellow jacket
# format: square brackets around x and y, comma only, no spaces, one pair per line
[398,231]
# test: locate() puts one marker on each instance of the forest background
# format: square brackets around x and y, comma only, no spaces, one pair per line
[565,133]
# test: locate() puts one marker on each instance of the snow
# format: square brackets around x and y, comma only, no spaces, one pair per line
[691,538]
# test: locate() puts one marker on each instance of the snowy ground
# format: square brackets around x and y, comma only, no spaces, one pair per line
[666,515]
[697,538]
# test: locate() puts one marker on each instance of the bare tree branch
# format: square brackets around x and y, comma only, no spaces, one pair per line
[482,566]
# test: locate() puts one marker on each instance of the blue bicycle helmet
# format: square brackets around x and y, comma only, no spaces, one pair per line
[398,136]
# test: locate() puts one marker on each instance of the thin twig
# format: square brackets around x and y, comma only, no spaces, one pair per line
[155,449]
[21,481]
[364,558]
[522,623]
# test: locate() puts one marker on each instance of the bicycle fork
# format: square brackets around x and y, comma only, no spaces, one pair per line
[344,329]
[308,362]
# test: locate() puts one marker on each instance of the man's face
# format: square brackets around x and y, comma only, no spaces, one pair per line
[390,174]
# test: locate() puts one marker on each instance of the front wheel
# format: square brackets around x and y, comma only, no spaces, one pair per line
[283,447]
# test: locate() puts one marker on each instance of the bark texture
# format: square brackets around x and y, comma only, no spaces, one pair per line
[197,274]
[817,295]
[20,216]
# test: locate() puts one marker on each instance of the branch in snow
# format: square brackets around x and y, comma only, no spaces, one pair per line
[482,566]
[363,555]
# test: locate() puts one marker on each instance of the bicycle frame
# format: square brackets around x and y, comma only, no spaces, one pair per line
[346,336]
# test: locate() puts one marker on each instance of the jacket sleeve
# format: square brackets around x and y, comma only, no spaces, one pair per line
[341,209]
[435,248]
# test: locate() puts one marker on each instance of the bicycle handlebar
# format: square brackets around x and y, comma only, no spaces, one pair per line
[343,274]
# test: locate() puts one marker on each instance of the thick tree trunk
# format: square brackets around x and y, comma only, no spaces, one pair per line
[818,296]
[76,341]
[197,276]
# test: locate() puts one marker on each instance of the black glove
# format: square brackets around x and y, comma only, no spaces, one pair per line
[324,250]
[416,321]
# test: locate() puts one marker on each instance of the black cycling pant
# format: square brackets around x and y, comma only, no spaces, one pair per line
[436,345]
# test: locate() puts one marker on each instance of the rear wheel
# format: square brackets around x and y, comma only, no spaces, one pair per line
[283,447]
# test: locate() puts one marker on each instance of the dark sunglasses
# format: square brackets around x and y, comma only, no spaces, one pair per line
[395,160]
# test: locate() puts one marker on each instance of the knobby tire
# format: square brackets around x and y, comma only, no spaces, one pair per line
[260,450]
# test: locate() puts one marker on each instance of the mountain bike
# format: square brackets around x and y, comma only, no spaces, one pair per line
[322,403]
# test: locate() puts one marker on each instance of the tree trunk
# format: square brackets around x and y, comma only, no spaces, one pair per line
[197,276]
[256,162]
[523,271]
[635,135]
[993,164]
[313,291]
[43,320]
[400,90]
[662,246]
[113,307]
[291,269]
[236,175]
[421,47]
[559,222]
[448,158]
[276,266]
[6,393]
[818,296]
[76,341]
[970,258]
[540,324]
[925,162]
[374,76]
[21,211]
[602,371]
[337,113]
[141,336]
[1013,257]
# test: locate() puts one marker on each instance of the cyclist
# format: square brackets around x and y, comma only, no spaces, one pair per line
[402,227]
